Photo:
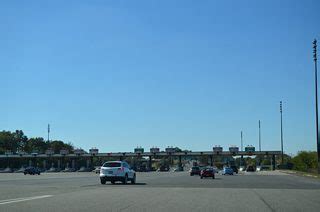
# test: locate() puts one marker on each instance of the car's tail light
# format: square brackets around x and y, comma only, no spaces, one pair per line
[121,169]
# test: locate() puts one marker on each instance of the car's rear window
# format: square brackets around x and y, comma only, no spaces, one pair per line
[112,165]
[195,168]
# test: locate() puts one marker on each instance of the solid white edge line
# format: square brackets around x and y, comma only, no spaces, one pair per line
[8,201]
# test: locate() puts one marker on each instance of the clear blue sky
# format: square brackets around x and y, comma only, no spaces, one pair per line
[193,74]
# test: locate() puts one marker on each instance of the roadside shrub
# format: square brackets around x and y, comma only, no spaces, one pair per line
[305,161]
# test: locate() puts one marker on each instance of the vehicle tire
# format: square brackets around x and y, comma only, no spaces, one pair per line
[39,173]
[191,174]
[103,181]
[113,182]
[133,181]
[25,173]
[125,180]
[201,177]
[213,177]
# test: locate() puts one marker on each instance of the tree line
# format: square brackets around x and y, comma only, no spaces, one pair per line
[18,142]
[305,161]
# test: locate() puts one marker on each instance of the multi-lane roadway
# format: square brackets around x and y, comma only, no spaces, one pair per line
[159,191]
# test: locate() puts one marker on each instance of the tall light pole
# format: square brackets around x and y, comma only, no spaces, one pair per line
[316,88]
[259,136]
[241,141]
[281,132]
[241,150]
[48,132]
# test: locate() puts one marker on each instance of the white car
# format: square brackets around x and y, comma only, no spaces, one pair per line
[117,171]
[215,169]
[97,169]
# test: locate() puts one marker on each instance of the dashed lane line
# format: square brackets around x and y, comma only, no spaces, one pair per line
[9,201]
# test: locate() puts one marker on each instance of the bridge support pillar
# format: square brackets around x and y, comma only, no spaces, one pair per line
[180,161]
[91,162]
[8,162]
[30,162]
[44,164]
[211,160]
[88,163]
[273,162]
[150,163]
[59,164]
[73,164]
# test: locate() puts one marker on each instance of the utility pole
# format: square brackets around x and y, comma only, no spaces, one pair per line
[259,159]
[316,88]
[241,142]
[281,132]
[259,136]
[241,151]
[48,132]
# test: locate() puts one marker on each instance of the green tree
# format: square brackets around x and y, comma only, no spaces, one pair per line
[305,161]
[266,162]
[177,149]
[8,142]
[20,139]
[165,162]
[59,145]
[36,144]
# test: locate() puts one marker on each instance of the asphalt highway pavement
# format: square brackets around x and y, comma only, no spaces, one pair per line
[159,191]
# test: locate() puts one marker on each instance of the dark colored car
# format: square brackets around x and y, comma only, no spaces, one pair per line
[141,169]
[207,172]
[195,170]
[31,171]
[250,169]
[178,169]
[264,168]
[235,169]
[164,169]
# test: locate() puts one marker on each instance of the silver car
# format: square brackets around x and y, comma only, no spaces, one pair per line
[117,171]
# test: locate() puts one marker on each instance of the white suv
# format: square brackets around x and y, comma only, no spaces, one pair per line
[117,171]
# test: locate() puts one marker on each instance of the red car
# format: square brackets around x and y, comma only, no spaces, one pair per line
[207,172]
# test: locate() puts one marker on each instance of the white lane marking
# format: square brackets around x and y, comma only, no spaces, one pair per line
[8,201]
